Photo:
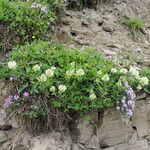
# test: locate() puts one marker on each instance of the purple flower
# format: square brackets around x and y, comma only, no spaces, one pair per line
[16,97]
[11,78]
[129,113]
[8,102]
[127,103]
[26,94]
[124,105]
[123,100]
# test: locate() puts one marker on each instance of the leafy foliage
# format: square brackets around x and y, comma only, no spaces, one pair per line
[28,18]
[71,80]
[134,24]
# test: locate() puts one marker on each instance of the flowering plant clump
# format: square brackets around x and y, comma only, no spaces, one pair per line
[127,103]
[70,80]
[29,19]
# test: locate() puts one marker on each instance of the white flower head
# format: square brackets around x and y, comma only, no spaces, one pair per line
[70,72]
[132,69]
[49,72]
[99,72]
[119,83]
[134,72]
[62,88]
[93,96]
[105,77]
[123,71]
[52,89]
[144,81]
[80,72]
[72,64]
[42,78]
[139,87]
[53,68]
[12,65]
[36,68]
[44,9]
[113,70]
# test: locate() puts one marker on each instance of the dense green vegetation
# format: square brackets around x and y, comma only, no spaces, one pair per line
[29,19]
[47,75]
[80,80]
[134,25]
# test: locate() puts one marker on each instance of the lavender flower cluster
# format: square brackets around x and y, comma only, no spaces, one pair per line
[127,103]
[43,9]
[11,99]
[13,78]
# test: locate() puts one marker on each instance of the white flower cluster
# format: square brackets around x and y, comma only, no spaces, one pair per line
[93,96]
[123,71]
[62,88]
[114,70]
[70,73]
[36,67]
[80,72]
[143,81]
[74,72]
[105,78]
[48,73]
[12,65]
[99,72]
[52,89]
[42,78]
[134,72]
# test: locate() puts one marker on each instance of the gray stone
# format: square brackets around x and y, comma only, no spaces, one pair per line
[75,147]
[86,131]
[109,148]
[93,143]
[2,84]
[4,124]
[139,145]
[133,138]
[68,147]
[113,130]
[65,21]
[81,146]
[140,119]
[20,147]
[108,26]
[52,141]
[85,23]
[141,96]
[79,40]
[3,137]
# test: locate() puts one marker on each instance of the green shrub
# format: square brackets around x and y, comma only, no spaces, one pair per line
[28,18]
[71,80]
[134,24]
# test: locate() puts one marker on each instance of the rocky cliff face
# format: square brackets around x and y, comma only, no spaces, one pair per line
[103,30]
[106,131]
